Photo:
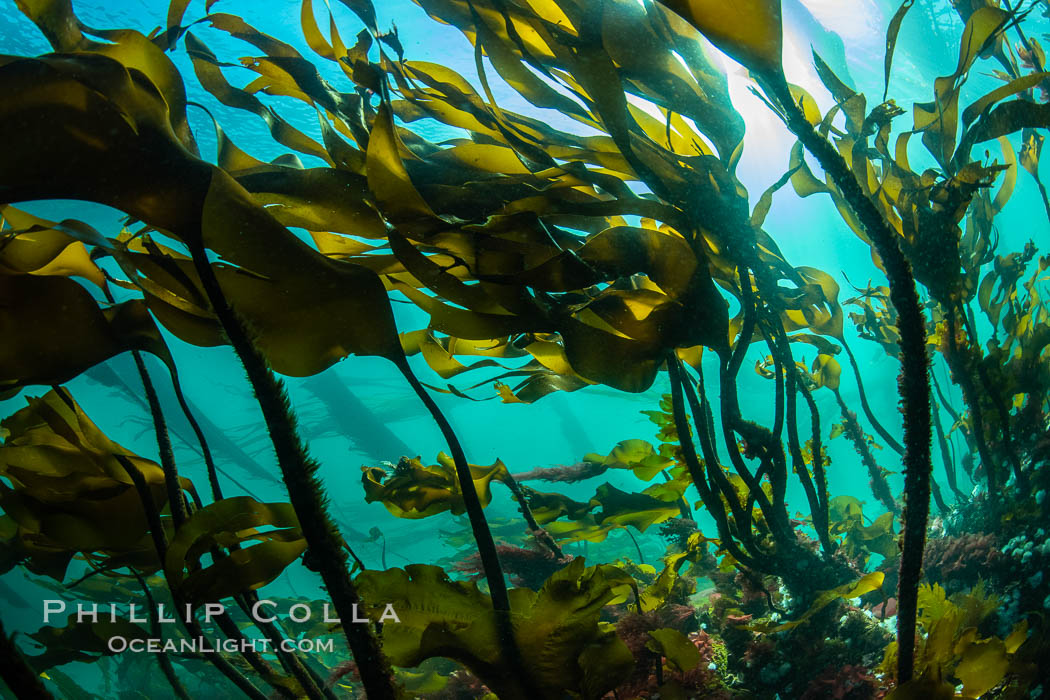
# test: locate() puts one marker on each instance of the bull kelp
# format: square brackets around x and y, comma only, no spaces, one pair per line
[526,283]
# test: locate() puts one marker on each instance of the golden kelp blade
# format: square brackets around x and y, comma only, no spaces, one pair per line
[232,523]
[748,30]
[145,172]
[55,18]
[32,245]
[70,494]
[418,192]
[416,491]
[55,330]
[441,617]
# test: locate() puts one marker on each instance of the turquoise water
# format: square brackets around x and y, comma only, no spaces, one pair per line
[561,428]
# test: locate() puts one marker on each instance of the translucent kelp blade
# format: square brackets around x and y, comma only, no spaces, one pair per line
[749,30]
[69,493]
[202,205]
[56,330]
[230,523]
[563,646]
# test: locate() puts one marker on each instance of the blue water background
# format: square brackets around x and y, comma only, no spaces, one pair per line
[809,232]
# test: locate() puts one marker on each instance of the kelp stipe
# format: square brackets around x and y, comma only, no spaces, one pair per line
[947,452]
[535,529]
[160,544]
[914,383]
[875,422]
[16,673]
[309,681]
[209,460]
[178,512]
[709,492]
[877,479]
[326,554]
[514,243]
[162,657]
[160,429]
[815,486]
[289,661]
[190,624]
[479,525]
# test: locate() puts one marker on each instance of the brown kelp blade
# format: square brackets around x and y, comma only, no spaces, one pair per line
[308,311]
[56,330]
[69,494]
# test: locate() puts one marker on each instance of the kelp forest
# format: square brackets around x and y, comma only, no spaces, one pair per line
[556,216]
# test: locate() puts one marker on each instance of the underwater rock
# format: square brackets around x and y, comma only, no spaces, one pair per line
[846,683]
[959,561]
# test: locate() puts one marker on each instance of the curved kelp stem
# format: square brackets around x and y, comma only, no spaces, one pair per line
[819,473]
[160,429]
[756,436]
[957,423]
[879,486]
[167,456]
[160,544]
[178,511]
[255,659]
[913,383]
[957,365]
[325,554]
[710,498]
[946,404]
[16,672]
[1000,404]
[816,493]
[490,562]
[935,489]
[637,547]
[541,535]
[209,461]
[778,476]
[108,375]
[312,685]
[162,656]
[160,424]
[868,413]
[942,443]
[717,482]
